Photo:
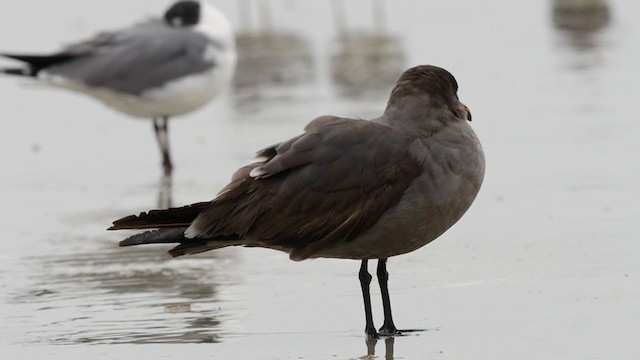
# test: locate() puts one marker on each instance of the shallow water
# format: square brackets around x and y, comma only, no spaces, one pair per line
[544,266]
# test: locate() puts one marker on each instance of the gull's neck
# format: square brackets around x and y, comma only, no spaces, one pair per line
[417,115]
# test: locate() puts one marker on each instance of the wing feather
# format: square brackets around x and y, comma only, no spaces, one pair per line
[136,59]
[316,190]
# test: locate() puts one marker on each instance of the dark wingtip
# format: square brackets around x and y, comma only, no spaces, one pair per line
[125,222]
[166,218]
[159,236]
[17,71]
[130,241]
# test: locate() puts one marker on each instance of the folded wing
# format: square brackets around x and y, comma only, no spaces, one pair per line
[143,57]
[315,190]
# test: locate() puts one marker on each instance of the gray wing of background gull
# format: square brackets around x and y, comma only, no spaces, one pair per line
[140,58]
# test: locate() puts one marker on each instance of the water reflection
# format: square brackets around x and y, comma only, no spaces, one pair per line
[581,21]
[165,198]
[109,295]
[371,348]
[269,60]
[272,58]
[365,63]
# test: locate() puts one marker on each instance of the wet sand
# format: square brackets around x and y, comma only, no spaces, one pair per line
[545,265]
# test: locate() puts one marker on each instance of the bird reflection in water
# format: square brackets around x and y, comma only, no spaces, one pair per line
[107,295]
[365,64]
[165,198]
[371,348]
[270,60]
[581,21]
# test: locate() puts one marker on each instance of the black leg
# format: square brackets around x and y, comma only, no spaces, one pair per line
[388,328]
[161,127]
[365,280]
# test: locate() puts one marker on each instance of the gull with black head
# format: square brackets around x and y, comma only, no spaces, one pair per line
[157,69]
[345,188]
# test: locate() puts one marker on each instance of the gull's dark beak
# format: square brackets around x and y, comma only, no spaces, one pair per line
[465,109]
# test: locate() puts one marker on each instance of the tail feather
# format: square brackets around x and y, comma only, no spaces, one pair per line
[170,226]
[185,245]
[168,218]
[196,246]
[168,236]
[163,236]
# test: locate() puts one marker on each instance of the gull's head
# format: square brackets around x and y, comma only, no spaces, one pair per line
[432,83]
[200,16]
[184,13]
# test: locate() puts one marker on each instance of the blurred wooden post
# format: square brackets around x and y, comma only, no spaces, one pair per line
[379,17]
[339,15]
